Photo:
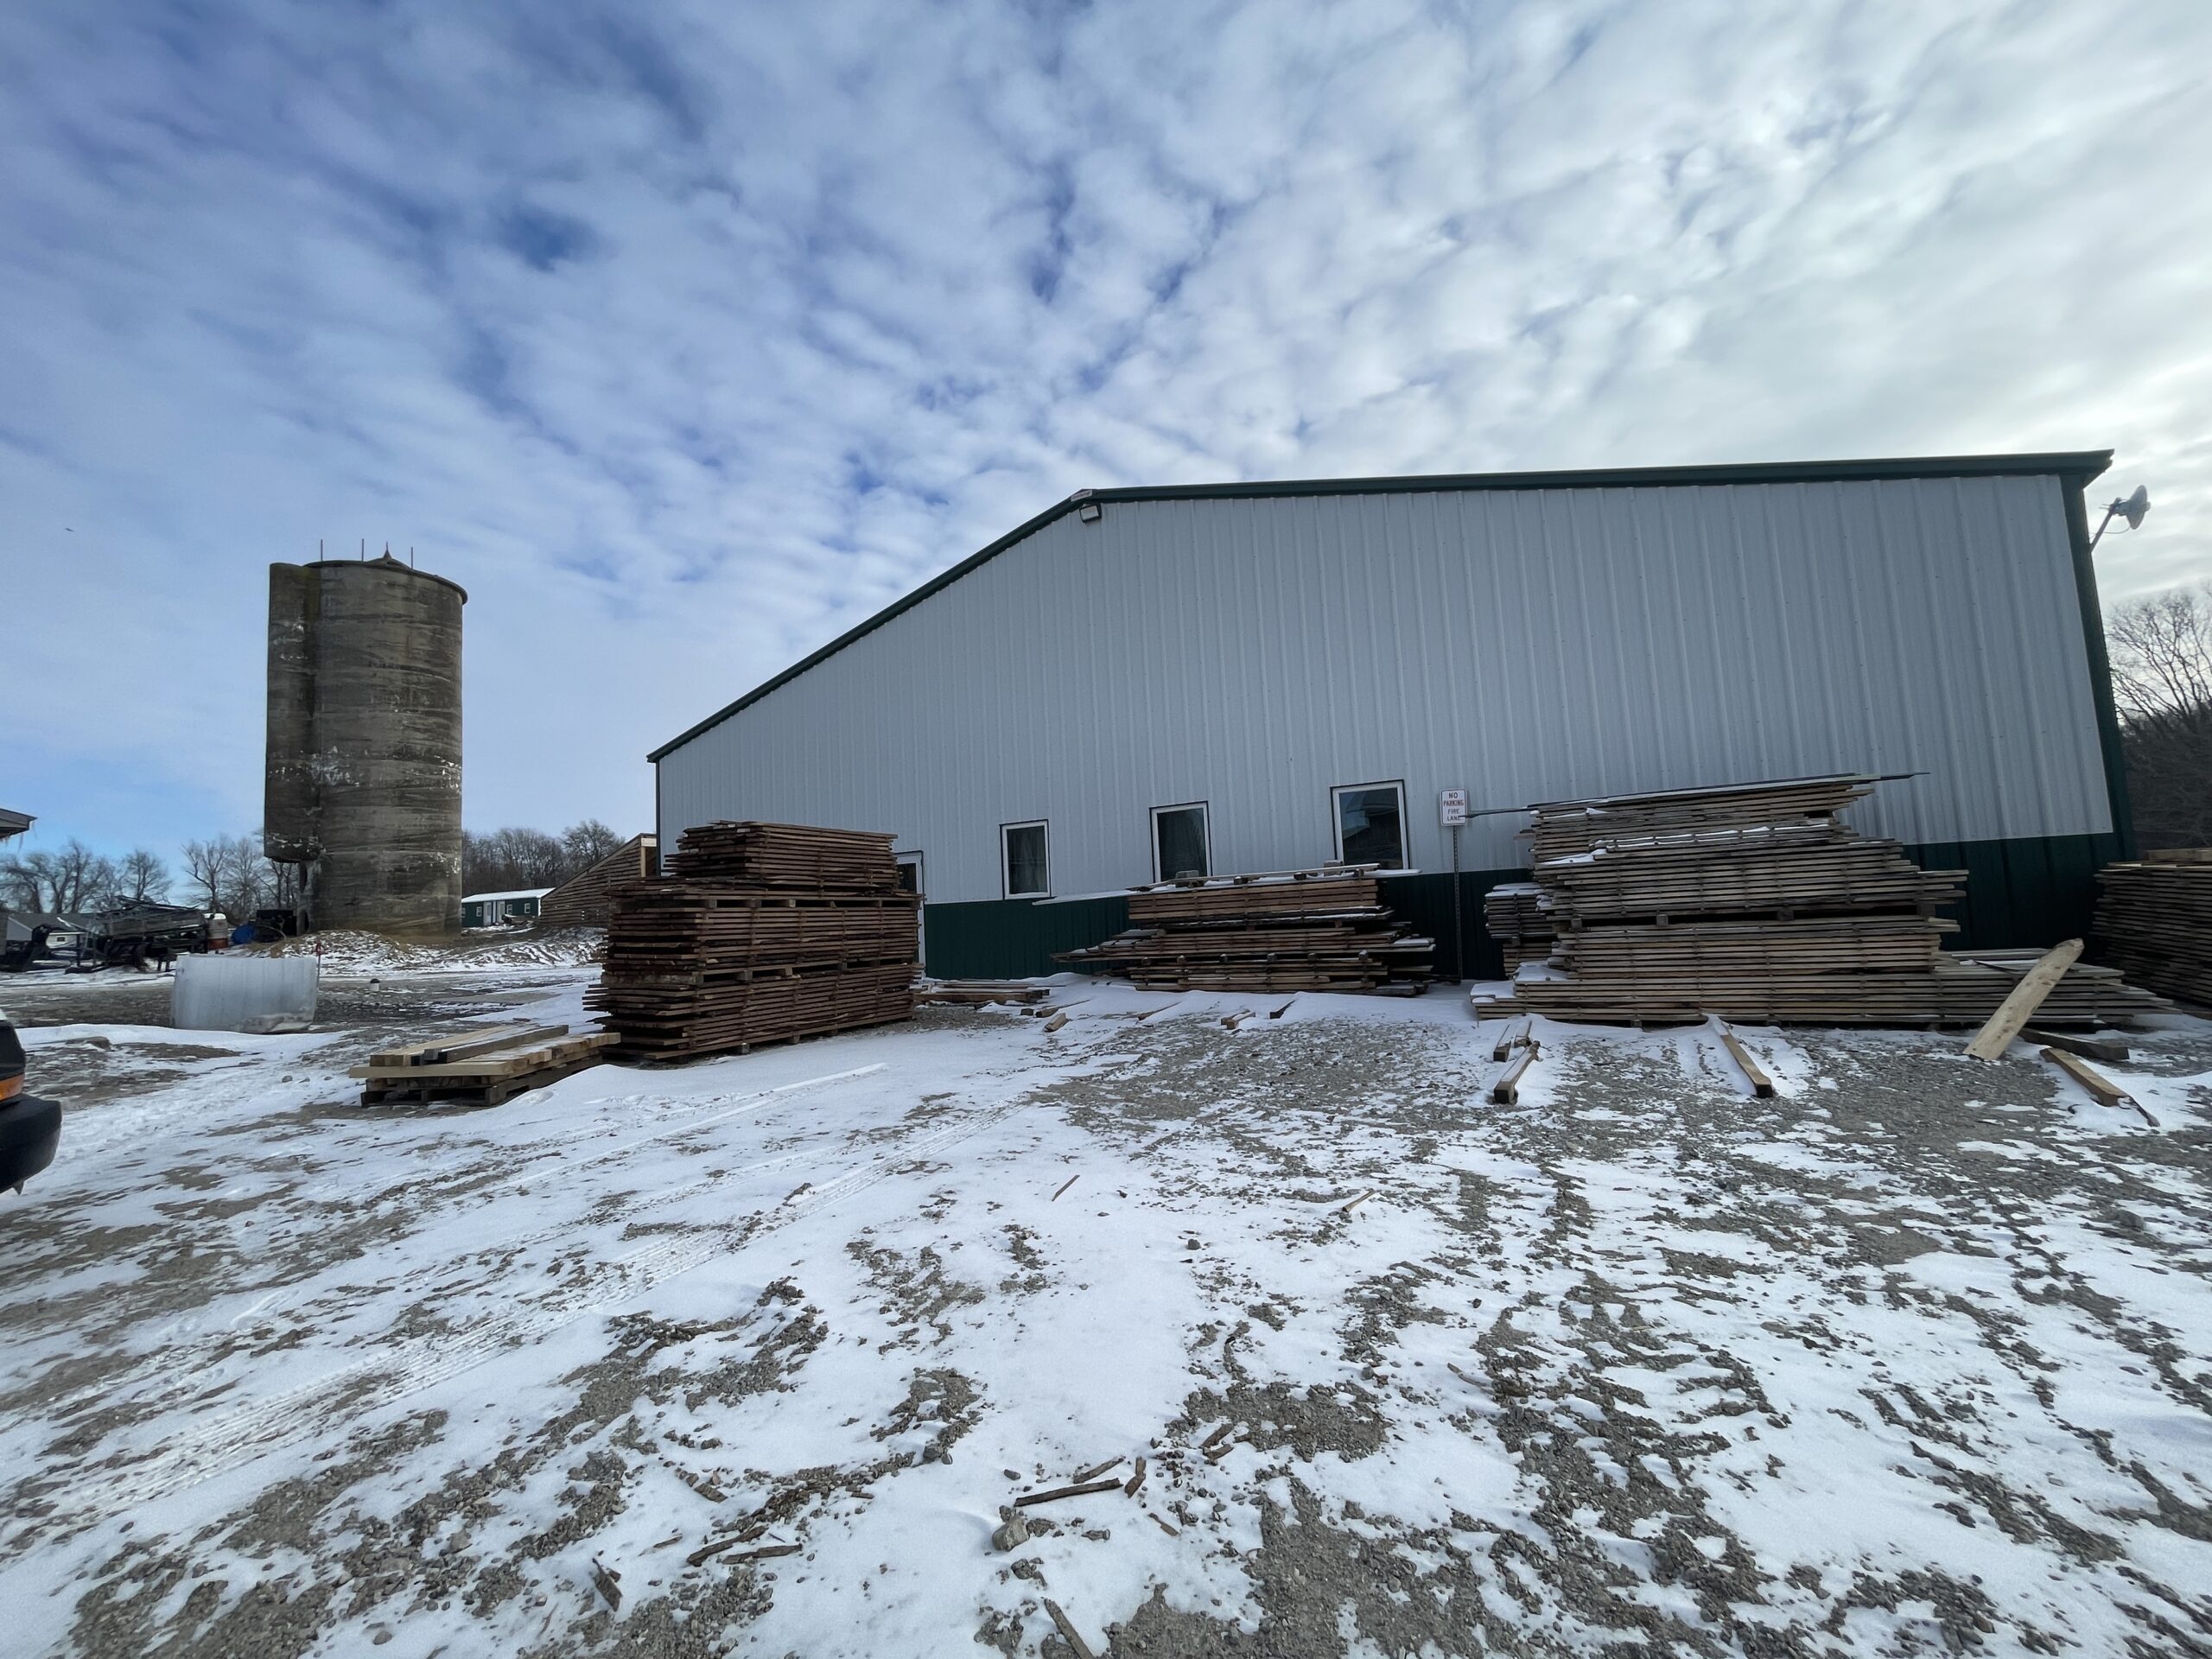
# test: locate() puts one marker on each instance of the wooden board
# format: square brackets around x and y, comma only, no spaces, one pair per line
[2023,999]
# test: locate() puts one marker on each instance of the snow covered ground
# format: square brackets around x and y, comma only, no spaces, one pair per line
[1917,1357]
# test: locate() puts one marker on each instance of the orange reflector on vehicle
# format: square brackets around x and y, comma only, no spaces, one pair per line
[10,1087]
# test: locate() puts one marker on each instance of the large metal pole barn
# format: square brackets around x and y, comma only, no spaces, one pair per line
[1203,672]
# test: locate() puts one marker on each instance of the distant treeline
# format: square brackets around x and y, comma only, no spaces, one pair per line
[504,860]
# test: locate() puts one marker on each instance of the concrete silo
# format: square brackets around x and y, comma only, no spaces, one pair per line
[363,787]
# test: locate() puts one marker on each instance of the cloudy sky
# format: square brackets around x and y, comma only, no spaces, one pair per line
[685,336]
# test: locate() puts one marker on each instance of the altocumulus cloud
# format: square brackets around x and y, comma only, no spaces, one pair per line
[686,335]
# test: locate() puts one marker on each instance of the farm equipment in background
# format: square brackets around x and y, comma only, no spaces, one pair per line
[23,934]
[133,933]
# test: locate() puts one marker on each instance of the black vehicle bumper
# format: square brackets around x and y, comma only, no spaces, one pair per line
[30,1131]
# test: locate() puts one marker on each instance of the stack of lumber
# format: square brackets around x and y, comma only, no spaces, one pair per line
[482,1067]
[787,857]
[1562,828]
[1756,903]
[977,993]
[760,934]
[2154,921]
[1322,929]
[1514,913]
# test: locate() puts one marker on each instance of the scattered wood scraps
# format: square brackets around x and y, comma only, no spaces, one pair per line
[2102,1089]
[1134,1480]
[608,1583]
[2089,1048]
[1081,1488]
[1068,1630]
[1068,1182]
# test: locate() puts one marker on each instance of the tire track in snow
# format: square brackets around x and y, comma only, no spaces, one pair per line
[239,1437]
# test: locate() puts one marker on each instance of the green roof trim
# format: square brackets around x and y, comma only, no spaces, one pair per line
[2076,468]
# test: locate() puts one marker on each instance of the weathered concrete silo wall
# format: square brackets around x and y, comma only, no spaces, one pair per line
[288,808]
[365,658]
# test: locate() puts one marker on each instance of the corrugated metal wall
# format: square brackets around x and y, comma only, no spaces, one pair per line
[1524,645]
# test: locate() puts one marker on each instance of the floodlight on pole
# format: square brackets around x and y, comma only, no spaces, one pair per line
[2131,509]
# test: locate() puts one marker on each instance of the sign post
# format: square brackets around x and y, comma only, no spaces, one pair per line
[1452,813]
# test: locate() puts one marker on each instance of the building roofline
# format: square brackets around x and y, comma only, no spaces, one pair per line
[2076,467]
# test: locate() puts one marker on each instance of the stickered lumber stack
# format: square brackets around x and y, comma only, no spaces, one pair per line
[1515,915]
[1756,903]
[1321,930]
[2154,921]
[759,933]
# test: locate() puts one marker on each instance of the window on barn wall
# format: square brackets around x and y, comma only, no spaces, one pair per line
[1179,841]
[1027,868]
[1371,824]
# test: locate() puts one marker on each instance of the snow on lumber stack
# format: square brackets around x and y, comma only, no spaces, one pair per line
[2154,921]
[1757,904]
[1323,929]
[763,932]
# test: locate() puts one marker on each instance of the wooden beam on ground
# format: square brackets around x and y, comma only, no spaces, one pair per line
[1515,1031]
[1081,1488]
[2089,1048]
[1762,1084]
[2017,1009]
[1081,1648]
[2102,1088]
[1506,1091]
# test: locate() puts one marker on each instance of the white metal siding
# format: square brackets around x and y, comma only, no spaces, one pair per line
[1525,645]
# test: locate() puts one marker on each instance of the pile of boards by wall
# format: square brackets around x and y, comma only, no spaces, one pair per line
[2154,921]
[1516,914]
[1320,930]
[1757,903]
[758,933]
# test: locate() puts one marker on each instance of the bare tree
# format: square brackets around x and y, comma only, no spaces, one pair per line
[143,876]
[584,844]
[511,858]
[231,874]
[205,863]
[2161,680]
[72,879]
[23,881]
[246,882]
